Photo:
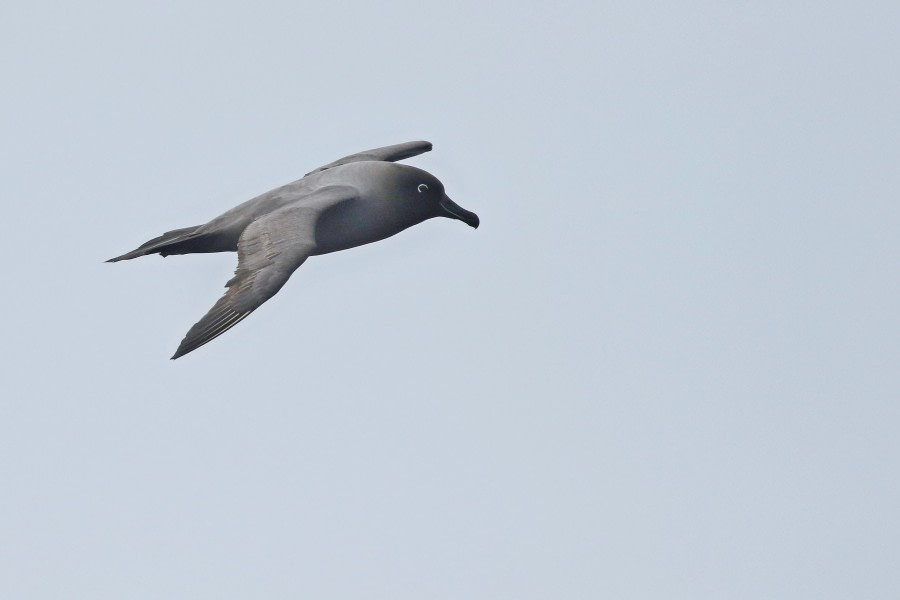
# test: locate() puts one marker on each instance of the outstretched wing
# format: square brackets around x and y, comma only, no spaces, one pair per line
[387,154]
[269,250]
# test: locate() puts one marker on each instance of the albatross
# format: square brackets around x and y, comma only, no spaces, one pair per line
[359,199]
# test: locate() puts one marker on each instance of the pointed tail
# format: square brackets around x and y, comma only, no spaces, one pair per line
[158,244]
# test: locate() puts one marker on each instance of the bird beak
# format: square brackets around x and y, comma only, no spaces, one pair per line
[455,211]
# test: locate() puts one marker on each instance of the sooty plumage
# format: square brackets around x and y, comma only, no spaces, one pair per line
[356,200]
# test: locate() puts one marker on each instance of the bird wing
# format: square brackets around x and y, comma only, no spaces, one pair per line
[387,154]
[269,250]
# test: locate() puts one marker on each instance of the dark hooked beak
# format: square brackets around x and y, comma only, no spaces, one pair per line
[455,211]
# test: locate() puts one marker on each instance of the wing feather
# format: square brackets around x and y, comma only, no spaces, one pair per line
[269,250]
[385,153]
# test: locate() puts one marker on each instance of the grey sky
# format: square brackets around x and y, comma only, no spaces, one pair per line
[665,366]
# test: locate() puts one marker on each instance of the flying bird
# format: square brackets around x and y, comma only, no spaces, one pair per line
[356,200]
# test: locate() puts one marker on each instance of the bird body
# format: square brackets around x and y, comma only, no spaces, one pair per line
[356,200]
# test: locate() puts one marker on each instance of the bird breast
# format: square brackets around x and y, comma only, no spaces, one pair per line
[363,221]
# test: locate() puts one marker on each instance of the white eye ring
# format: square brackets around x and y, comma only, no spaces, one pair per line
[422,188]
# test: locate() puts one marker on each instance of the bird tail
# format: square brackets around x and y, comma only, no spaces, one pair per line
[159,244]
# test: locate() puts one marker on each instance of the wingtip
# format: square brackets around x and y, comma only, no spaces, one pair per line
[182,350]
[208,331]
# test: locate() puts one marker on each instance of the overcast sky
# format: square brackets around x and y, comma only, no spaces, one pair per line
[665,366]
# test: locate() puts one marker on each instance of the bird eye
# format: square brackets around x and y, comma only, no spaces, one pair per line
[423,188]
